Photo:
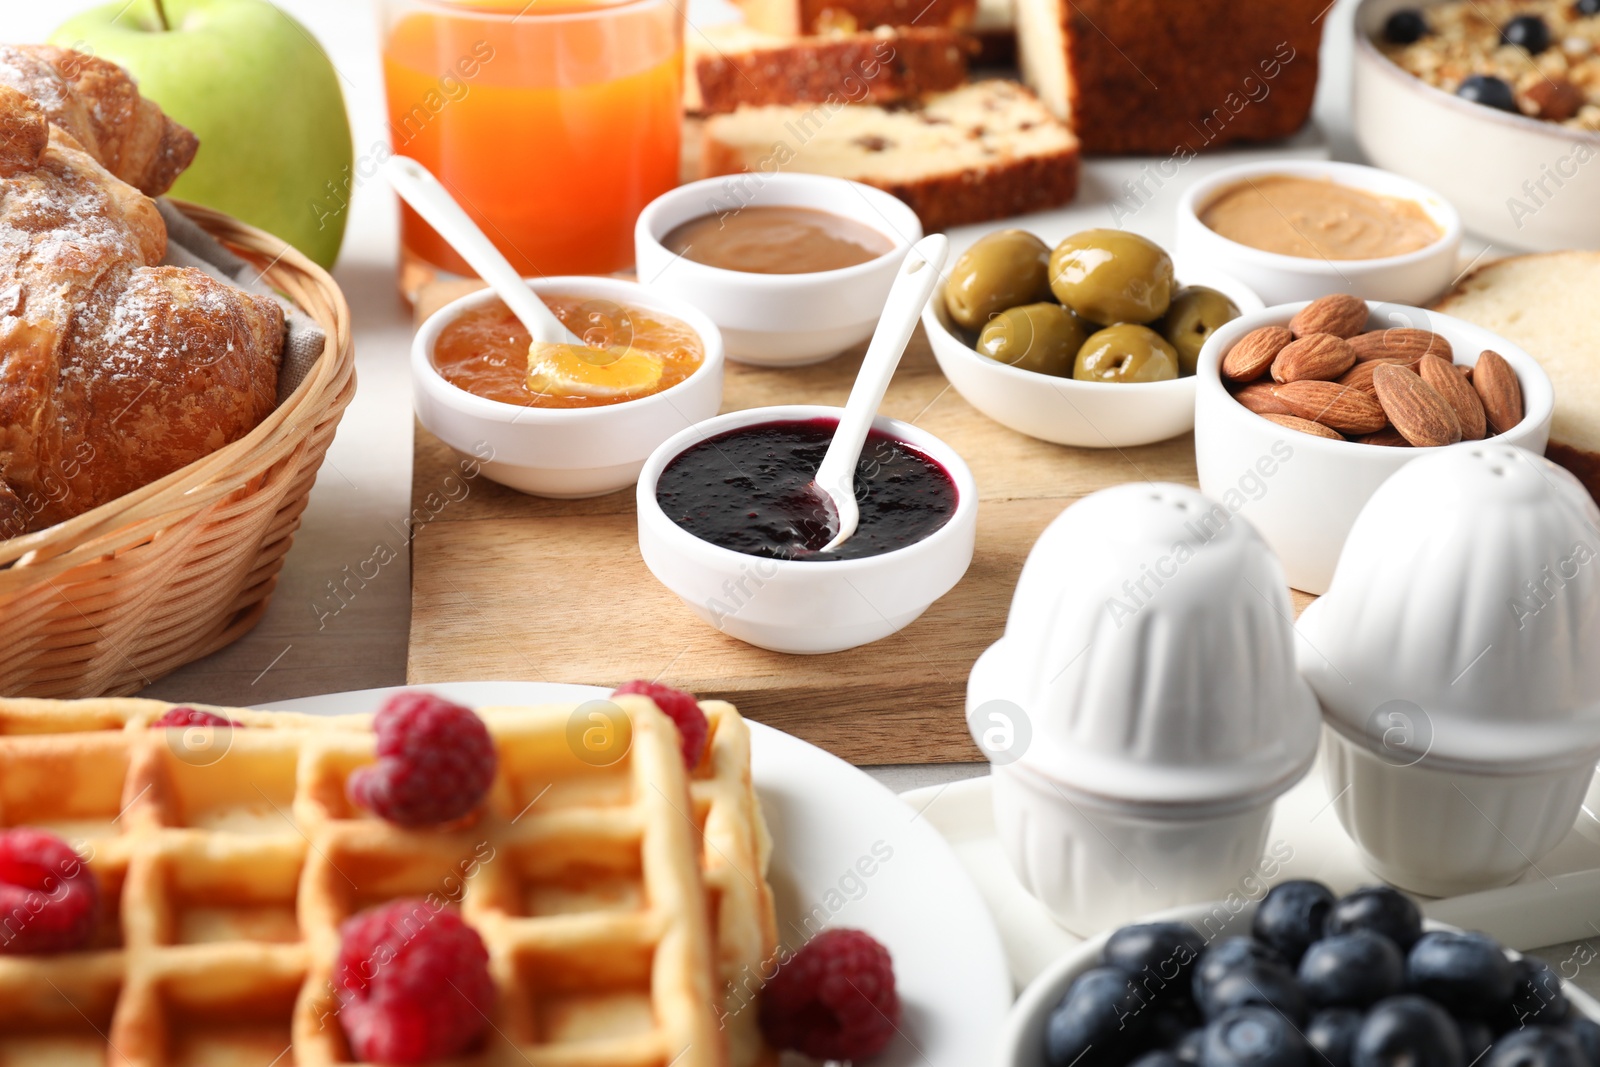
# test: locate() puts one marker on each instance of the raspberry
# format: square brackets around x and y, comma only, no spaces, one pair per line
[436,762]
[834,1000]
[49,899]
[413,983]
[682,708]
[186,716]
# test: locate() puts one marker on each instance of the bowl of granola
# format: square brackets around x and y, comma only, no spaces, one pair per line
[1494,103]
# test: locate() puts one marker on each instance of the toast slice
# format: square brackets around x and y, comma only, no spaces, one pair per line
[733,65]
[1545,303]
[1154,77]
[988,150]
[792,18]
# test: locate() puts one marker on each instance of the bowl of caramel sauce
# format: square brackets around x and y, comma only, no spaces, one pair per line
[793,268]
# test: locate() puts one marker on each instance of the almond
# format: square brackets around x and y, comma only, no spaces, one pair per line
[1262,398]
[1253,353]
[1340,314]
[1497,386]
[1316,356]
[1360,375]
[1401,342]
[1388,438]
[1457,392]
[1315,429]
[1416,409]
[1334,405]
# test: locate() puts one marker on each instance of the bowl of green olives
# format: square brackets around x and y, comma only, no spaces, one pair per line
[1091,343]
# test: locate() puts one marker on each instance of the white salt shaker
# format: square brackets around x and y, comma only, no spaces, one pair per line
[1142,711]
[1457,659]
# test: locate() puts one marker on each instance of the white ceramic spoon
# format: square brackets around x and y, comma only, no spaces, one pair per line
[912,286]
[430,199]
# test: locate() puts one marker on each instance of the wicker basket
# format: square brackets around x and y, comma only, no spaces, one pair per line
[108,601]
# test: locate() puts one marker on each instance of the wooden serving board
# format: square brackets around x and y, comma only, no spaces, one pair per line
[507,586]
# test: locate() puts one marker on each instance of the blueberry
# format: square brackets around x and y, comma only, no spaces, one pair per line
[1290,917]
[1188,1047]
[1332,1034]
[1158,1058]
[1254,1037]
[1407,26]
[1466,973]
[1380,909]
[1352,970]
[1587,1031]
[1408,1031]
[1476,1037]
[1099,1023]
[1526,31]
[1229,955]
[1537,1046]
[1159,956]
[1489,91]
[1265,985]
[1587,7]
[1536,998]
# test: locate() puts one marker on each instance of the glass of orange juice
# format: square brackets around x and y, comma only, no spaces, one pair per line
[553,122]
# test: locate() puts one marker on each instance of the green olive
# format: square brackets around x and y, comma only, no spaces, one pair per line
[1112,276]
[1038,337]
[1195,313]
[1004,269]
[1126,353]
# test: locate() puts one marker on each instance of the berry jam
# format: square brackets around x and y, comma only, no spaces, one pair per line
[752,490]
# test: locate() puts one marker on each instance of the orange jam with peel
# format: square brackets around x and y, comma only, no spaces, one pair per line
[485,352]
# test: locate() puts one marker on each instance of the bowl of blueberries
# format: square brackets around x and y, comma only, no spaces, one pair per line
[1302,979]
[1499,117]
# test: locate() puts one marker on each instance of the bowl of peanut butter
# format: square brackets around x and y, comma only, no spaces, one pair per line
[1299,230]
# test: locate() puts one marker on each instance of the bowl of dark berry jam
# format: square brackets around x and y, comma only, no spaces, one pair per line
[730,519]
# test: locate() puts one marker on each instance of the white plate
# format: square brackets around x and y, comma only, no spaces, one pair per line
[826,815]
[1558,901]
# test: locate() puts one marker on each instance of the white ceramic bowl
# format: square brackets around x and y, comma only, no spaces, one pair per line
[1589,816]
[1491,164]
[1022,1041]
[806,607]
[1066,411]
[778,320]
[1303,492]
[565,452]
[1414,278]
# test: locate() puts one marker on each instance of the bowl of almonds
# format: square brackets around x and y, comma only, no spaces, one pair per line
[1303,410]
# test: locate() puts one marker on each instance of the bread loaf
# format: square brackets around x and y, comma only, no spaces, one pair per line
[1163,78]
[1546,304]
[733,65]
[789,18]
[985,151]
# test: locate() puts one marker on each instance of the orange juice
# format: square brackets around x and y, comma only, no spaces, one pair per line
[553,122]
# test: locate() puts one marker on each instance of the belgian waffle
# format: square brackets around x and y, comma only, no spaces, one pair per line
[228,858]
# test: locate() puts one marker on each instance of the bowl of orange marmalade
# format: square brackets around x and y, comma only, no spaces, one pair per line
[566,421]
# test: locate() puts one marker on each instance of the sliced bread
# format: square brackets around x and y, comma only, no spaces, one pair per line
[1157,77]
[734,65]
[1546,304]
[789,18]
[985,151]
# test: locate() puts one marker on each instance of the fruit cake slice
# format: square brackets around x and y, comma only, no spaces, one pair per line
[734,65]
[1152,76]
[1545,303]
[985,151]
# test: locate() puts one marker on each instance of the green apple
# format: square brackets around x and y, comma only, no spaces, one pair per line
[260,93]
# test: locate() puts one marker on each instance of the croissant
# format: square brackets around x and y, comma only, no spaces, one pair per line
[114,370]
